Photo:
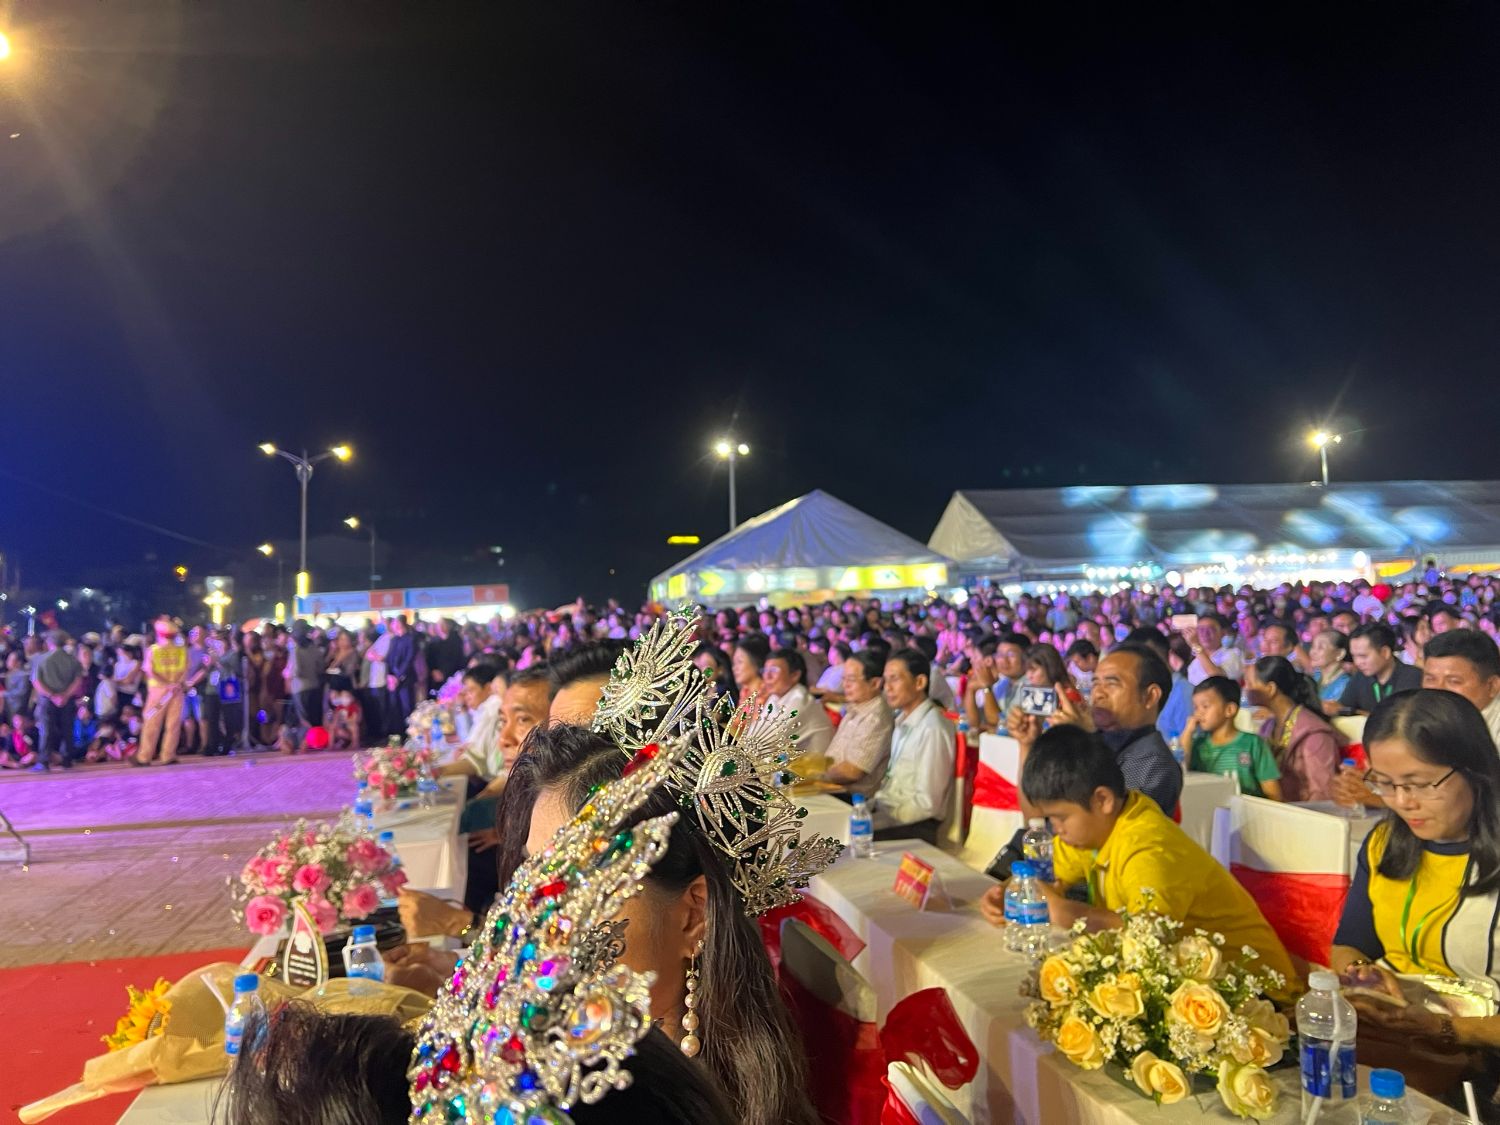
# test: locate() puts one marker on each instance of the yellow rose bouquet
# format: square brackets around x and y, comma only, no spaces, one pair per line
[1163,1006]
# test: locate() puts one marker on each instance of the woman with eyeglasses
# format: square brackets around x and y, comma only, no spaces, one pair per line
[1427,888]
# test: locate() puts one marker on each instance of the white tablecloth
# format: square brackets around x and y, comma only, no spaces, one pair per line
[1019,1080]
[436,860]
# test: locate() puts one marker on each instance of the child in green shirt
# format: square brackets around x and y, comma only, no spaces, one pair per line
[1216,745]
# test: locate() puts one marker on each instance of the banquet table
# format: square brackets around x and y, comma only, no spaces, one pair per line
[949,945]
[436,860]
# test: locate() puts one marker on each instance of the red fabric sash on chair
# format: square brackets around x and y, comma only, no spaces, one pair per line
[924,1028]
[819,918]
[845,1065]
[991,791]
[965,769]
[1303,909]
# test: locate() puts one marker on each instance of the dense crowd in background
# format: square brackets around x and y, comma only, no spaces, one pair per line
[351,686]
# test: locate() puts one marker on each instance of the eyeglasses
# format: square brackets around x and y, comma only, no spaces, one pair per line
[1427,791]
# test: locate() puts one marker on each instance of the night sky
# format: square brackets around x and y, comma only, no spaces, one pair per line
[530,259]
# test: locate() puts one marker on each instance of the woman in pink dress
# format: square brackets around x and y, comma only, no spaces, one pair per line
[1306,746]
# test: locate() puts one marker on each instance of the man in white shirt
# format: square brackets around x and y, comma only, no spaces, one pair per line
[1466,662]
[1211,657]
[479,755]
[374,684]
[783,674]
[913,798]
[861,745]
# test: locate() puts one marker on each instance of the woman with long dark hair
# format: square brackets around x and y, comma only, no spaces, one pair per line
[1307,748]
[1427,889]
[690,919]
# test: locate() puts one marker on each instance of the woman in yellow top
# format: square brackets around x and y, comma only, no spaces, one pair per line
[1427,889]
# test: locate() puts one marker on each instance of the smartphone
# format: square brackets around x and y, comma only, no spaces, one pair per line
[1037,700]
[1184,622]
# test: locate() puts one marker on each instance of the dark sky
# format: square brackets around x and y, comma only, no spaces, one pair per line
[531,258]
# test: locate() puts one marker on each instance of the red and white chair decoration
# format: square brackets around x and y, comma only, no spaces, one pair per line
[997,807]
[816,915]
[1294,862]
[954,830]
[850,1058]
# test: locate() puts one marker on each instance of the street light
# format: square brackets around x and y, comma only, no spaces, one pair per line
[730,450]
[1321,440]
[353,524]
[304,466]
[4,46]
[268,550]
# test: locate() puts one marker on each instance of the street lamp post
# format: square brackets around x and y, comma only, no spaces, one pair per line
[353,523]
[268,550]
[1321,440]
[730,450]
[304,466]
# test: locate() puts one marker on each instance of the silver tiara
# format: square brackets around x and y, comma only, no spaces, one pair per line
[538,1016]
[732,772]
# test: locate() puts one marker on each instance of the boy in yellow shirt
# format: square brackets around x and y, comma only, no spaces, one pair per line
[1129,855]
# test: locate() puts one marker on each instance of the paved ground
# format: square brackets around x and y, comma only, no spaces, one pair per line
[130,863]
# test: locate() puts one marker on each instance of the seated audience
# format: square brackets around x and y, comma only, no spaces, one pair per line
[1378,674]
[1307,749]
[861,746]
[1329,656]
[783,674]
[1129,855]
[1216,745]
[1466,662]
[913,797]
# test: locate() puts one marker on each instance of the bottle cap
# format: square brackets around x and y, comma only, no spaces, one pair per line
[246,982]
[386,835]
[1350,762]
[1036,822]
[1324,981]
[1387,1084]
[1022,870]
[364,933]
[858,800]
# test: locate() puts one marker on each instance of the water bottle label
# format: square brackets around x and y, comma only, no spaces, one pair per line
[1321,1080]
[234,1033]
[1032,913]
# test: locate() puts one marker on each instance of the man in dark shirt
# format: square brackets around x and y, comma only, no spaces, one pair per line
[56,679]
[1378,674]
[400,676]
[445,654]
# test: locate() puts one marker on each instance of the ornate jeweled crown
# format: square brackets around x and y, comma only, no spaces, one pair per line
[733,769]
[538,1016]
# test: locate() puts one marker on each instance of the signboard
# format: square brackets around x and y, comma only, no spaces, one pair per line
[316,605]
[431,597]
[387,599]
[491,595]
[913,880]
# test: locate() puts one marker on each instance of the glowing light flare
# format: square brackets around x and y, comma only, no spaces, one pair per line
[267,448]
[266,549]
[1320,439]
[352,523]
[4,46]
[342,452]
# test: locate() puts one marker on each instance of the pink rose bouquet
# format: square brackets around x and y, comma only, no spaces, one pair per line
[393,771]
[338,872]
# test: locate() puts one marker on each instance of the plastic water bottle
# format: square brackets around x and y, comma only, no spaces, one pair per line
[427,787]
[1036,847]
[364,809]
[362,956]
[1387,1102]
[1326,1026]
[1356,810]
[1027,921]
[387,840]
[861,829]
[247,1003]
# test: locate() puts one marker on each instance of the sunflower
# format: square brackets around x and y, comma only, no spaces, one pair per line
[147,1016]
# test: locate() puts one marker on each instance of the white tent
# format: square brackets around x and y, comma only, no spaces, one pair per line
[808,549]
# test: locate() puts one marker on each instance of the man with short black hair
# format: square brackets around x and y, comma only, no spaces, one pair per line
[1378,674]
[913,797]
[1444,618]
[995,684]
[784,674]
[1211,656]
[1466,662]
[861,745]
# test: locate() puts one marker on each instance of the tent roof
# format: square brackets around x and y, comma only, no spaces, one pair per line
[1192,523]
[816,530]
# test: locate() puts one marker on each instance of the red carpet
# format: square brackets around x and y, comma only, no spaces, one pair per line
[51,1018]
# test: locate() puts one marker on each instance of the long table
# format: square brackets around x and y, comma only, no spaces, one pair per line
[952,947]
[436,860]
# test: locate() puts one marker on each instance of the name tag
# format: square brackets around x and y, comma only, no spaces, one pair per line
[913,880]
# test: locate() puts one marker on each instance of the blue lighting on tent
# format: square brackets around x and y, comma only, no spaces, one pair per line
[1430,525]
[1090,495]
[1173,497]
[1216,542]
[1117,536]
[1306,528]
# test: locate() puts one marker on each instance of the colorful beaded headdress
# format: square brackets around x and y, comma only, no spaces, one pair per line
[732,772]
[538,1016]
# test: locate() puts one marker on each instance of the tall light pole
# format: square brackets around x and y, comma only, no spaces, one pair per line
[304,466]
[730,450]
[1321,440]
[353,524]
[268,550]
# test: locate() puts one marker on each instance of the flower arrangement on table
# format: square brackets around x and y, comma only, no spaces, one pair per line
[393,771]
[337,872]
[1163,1006]
[145,1017]
[430,713]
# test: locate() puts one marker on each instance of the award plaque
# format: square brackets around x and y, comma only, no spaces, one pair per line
[304,964]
